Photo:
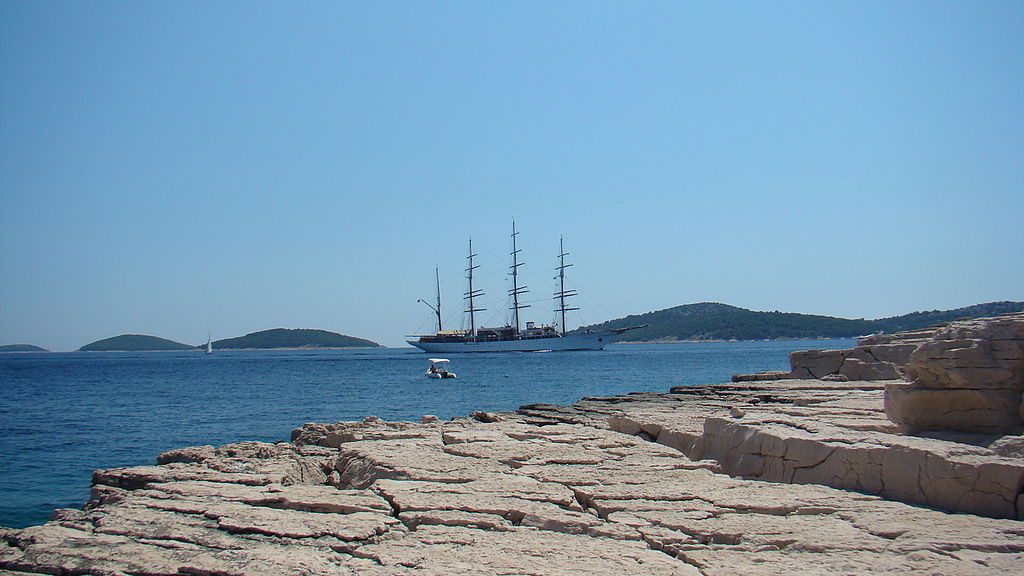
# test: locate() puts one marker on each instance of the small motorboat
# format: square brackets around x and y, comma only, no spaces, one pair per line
[439,369]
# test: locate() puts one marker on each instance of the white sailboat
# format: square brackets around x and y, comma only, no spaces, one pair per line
[511,337]
[209,343]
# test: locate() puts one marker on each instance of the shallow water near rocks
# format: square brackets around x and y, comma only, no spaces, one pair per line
[64,415]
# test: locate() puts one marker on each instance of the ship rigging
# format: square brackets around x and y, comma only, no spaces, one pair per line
[512,337]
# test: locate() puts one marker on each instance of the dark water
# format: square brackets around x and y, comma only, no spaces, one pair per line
[64,415]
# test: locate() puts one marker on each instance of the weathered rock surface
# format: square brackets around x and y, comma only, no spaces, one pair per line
[965,376]
[968,376]
[834,434]
[878,362]
[876,357]
[761,376]
[966,354]
[623,485]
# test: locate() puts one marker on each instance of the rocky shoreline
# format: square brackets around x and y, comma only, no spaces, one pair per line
[757,477]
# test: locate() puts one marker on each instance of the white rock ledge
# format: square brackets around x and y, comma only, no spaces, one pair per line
[837,436]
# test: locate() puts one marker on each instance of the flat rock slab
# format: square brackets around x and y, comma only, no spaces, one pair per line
[830,433]
[606,486]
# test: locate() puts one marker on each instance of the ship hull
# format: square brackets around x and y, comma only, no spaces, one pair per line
[579,341]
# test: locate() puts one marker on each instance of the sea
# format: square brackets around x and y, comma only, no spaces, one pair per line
[63,415]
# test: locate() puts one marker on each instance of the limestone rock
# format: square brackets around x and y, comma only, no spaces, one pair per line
[835,378]
[856,369]
[961,409]
[878,362]
[835,434]
[815,363]
[486,417]
[968,377]
[191,454]
[876,357]
[972,363]
[897,354]
[761,376]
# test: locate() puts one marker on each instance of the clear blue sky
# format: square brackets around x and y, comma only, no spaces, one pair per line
[178,167]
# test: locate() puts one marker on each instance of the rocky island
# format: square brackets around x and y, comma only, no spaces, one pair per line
[861,461]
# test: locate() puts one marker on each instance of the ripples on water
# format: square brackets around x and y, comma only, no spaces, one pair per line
[64,415]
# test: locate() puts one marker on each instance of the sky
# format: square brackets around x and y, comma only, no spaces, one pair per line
[170,168]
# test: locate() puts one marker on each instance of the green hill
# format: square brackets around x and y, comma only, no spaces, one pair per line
[22,348]
[293,338]
[133,343]
[714,321]
[916,320]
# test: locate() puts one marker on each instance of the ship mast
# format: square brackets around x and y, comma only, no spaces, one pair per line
[437,277]
[472,293]
[437,310]
[516,290]
[562,293]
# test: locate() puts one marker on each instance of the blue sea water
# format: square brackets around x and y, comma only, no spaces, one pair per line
[64,415]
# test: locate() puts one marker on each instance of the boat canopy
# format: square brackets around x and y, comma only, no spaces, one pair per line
[437,360]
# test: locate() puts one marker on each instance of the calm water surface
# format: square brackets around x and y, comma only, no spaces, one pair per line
[64,415]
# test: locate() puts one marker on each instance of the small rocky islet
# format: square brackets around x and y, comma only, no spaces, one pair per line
[902,455]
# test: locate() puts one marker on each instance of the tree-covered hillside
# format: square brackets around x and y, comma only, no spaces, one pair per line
[714,321]
[916,320]
[133,343]
[22,348]
[293,338]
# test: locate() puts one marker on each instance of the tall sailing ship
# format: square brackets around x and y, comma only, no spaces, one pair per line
[512,337]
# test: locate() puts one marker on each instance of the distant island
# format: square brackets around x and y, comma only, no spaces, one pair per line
[267,339]
[133,343]
[292,338]
[714,321]
[22,348]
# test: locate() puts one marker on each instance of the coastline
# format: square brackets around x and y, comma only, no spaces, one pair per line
[218,399]
[657,483]
[787,474]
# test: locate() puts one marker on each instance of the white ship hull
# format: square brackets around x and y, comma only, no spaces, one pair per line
[580,341]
